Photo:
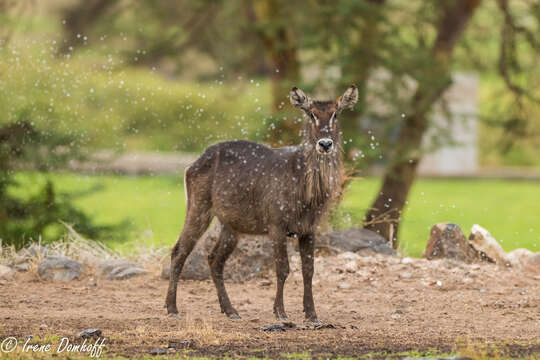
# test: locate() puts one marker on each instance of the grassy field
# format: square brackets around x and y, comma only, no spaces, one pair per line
[155,207]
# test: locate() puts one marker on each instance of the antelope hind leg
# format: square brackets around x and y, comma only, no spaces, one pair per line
[223,248]
[196,224]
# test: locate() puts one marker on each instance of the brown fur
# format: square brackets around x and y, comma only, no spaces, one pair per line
[254,189]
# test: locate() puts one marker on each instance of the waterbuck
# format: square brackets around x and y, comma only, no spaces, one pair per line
[254,189]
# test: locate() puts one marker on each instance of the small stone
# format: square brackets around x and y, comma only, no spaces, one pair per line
[92,282]
[43,326]
[124,273]
[158,351]
[351,266]
[274,327]
[33,251]
[89,333]
[344,286]
[23,267]
[182,344]
[407,260]
[323,326]
[265,282]
[347,255]
[395,316]
[405,275]
[115,269]
[439,283]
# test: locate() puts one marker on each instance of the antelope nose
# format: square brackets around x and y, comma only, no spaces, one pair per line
[326,144]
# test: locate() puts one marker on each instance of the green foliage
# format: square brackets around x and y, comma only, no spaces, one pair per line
[35,216]
[127,109]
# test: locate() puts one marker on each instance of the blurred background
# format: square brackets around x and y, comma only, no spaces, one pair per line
[104,102]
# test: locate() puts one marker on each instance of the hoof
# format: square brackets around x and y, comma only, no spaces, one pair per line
[314,321]
[174,316]
[234,316]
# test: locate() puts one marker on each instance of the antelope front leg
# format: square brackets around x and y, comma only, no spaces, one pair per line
[307,249]
[282,271]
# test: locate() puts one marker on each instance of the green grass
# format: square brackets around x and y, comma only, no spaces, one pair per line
[155,207]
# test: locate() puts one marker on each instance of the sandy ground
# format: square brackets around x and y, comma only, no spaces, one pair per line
[375,304]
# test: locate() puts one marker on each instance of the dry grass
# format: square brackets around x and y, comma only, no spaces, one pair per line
[89,252]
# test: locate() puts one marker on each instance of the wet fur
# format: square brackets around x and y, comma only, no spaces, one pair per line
[254,189]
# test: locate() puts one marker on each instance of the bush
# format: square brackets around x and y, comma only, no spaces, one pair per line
[35,217]
[102,106]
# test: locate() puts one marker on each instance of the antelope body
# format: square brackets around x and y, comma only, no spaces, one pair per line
[254,189]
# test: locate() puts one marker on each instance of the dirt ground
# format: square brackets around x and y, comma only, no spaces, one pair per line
[377,305]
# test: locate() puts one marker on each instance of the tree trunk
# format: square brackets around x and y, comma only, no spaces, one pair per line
[281,49]
[79,17]
[385,213]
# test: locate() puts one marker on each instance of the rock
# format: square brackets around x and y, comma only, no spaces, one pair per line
[348,255]
[180,344]
[158,351]
[107,266]
[356,240]
[405,275]
[253,254]
[116,269]
[60,268]
[351,267]
[124,273]
[265,282]
[323,326]
[90,333]
[344,286]
[533,264]
[43,326]
[92,282]
[519,258]
[534,259]
[23,267]
[6,273]
[407,260]
[166,270]
[485,244]
[33,251]
[274,327]
[448,241]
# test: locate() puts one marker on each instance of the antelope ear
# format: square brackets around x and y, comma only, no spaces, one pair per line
[299,99]
[348,99]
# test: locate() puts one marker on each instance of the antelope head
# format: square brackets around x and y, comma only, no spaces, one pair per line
[322,129]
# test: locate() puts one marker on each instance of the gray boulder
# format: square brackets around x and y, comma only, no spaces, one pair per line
[252,255]
[23,267]
[120,269]
[357,240]
[60,268]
